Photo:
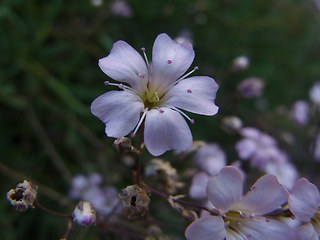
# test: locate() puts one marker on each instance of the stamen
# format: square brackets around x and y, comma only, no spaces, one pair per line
[161,111]
[183,77]
[253,188]
[183,114]
[121,86]
[145,56]
[139,123]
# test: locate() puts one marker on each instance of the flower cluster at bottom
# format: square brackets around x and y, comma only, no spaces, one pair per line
[242,217]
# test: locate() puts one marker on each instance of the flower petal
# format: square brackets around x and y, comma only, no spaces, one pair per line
[119,110]
[304,200]
[206,228]
[225,188]
[246,148]
[198,185]
[194,94]
[262,229]
[258,200]
[165,129]
[124,64]
[306,232]
[169,61]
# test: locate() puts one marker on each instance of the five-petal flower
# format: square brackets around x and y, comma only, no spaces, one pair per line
[154,93]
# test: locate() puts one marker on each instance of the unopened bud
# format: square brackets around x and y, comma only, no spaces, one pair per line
[123,145]
[135,201]
[23,196]
[240,63]
[189,215]
[84,214]
[251,87]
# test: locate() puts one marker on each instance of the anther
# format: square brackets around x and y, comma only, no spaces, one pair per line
[121,86]
[106,83]
[169,61]
[252,216]
[189,91]
[161,111]
[141,76]
[253,188]
[267,220]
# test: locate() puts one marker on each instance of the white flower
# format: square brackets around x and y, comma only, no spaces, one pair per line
[156,92]
[241,217]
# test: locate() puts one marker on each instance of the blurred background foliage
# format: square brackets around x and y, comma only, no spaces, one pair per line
[49,77]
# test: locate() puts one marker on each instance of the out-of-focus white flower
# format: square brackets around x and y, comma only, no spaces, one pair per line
[240,63]
[210,158]
[260,148]
[300,112]
[241,217]
[315,93]
[304,203]
[251,87]
[185,36]
[156,93]
[84,214]
[199,185]
[316,150]
[286,173]
[103,198]
[96,3]
[231,124]
[121,8]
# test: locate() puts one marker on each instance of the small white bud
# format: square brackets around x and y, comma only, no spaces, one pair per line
[84,214]
[240,63]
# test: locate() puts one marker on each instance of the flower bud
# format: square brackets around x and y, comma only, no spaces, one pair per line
[231,124]
[84,214]
[23,196]
[123,145]
[240,63]
[135,201]
[251,87]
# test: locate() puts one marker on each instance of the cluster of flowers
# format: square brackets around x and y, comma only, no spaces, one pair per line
[262,213]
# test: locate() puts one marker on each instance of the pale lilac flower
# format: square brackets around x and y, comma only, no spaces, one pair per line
[121,8]
[316,150]
[84,214]
[104,198]
[198,185]
[260,148]
[156,93]
[241,217]
[251,87]
[304,203]
[210,158]
[315,93]
[286,173]
[300,112]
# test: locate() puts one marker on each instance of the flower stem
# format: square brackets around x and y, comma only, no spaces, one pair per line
[38,205]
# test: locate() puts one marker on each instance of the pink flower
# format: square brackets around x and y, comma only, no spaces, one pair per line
[241,217]
[304,202]
[251,87]
[260,148]
[154,93]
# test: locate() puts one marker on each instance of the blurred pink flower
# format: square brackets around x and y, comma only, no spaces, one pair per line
[210,158]
[300,112]
[260,148]
[156,93]
[251,87]
[304,203]
[121,8]
[241,217]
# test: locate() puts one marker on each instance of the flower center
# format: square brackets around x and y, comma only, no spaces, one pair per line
[151,99]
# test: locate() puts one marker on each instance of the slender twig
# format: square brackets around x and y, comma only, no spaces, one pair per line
[117,231]
[17,176]
[138,154]
[183,202]
[48,145]
[41,207]
[70,225]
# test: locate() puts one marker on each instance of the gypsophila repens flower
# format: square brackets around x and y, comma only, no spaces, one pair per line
[154,93]
[84,214]
[241,217]
[23,196]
